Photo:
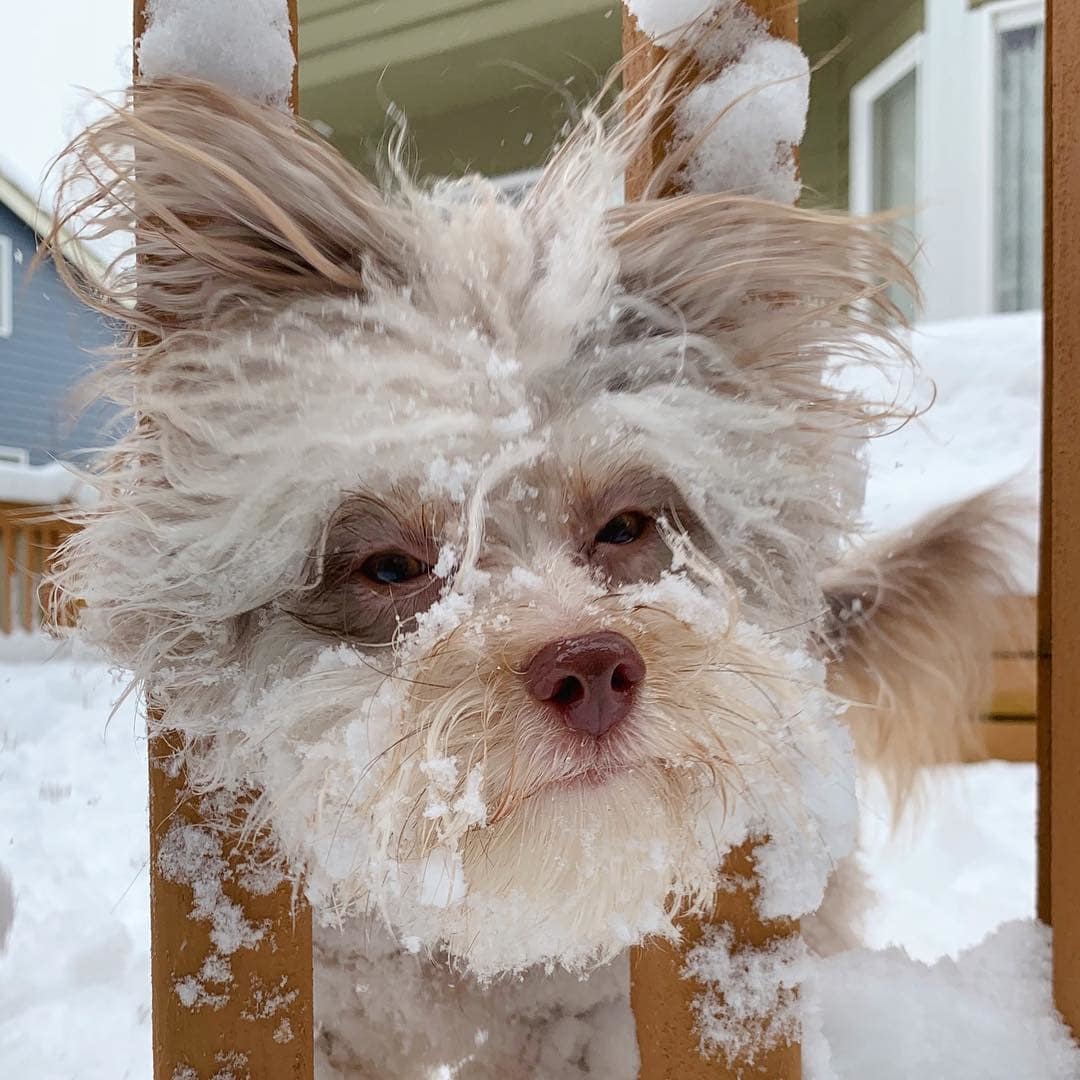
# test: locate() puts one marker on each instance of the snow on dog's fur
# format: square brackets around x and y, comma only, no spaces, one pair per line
[387,434]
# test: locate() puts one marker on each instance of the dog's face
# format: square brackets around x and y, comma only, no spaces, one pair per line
[494,568]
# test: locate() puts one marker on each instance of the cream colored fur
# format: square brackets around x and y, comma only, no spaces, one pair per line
[915,621]
[316,365]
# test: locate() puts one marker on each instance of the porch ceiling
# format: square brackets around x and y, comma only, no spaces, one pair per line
[483,83]
[437,56]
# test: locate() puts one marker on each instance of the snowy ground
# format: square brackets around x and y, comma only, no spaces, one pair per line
[74,980]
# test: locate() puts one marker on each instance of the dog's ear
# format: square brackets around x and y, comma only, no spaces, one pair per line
[913,623]
[781,290]
[230,206]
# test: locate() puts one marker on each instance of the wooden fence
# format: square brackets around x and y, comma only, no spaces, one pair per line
[29,536]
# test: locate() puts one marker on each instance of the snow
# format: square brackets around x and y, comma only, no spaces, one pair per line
[748,121]
[987,1016]
[984,420]
[983,428]
[75,976]
[661,18]
[74,979]
[745,122]
[242,45]
[41,485]
[750,1001]
[7,908]
[939,997]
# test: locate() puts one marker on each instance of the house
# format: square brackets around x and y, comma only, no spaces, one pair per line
[928,104]
[47,341]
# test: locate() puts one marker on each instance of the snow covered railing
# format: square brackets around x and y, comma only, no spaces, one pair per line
[232,994]
[665,993]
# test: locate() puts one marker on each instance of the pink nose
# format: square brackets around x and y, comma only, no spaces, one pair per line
[590,680]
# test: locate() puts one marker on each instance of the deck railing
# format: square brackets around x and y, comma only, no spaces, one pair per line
[29,537]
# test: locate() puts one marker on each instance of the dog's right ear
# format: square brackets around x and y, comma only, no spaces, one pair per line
[230,206]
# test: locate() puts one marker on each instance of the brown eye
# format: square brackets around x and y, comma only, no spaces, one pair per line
[393,568]
[624,528]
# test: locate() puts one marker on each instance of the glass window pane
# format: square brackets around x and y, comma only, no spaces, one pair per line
[1019,172]
[894,182]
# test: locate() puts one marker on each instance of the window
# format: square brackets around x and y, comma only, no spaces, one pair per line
[7,287]
[884,144]
[951,124]
[1018,165]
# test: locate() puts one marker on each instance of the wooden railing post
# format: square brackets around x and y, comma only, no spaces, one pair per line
[662,999]
[1059,585]
[245,1012]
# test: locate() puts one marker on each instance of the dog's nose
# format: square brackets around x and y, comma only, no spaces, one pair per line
[590,679]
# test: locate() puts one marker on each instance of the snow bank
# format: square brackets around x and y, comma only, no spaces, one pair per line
[989,1015]
[963,865]
[240,44]
[75,975]
[7,907]
[982,380]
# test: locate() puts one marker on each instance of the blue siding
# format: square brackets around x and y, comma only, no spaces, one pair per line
[47,355]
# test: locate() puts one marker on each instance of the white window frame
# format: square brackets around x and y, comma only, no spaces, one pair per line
[995,19]
[7,287]
[956,152]
[864,96]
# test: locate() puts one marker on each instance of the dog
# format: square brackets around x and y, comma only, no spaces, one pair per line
[500,560]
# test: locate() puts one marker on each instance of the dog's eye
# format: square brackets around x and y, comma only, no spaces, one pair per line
[393,568]
[624,528]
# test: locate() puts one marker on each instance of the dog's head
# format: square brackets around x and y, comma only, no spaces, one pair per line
[482,538]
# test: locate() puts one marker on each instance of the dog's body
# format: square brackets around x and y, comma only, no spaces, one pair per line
[501,548]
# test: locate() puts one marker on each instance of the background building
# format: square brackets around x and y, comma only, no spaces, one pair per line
[928,104]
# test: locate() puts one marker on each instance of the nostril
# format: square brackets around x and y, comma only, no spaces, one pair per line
[621,682]
[568,692]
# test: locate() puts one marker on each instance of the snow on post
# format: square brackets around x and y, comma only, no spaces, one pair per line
[243,45]
[231,953]
[735,131]
[738,129]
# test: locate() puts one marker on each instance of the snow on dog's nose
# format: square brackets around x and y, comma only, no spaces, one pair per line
[589,680]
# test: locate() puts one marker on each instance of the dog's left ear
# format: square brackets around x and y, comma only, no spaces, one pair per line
[779,288]
[913,623]
[231,207]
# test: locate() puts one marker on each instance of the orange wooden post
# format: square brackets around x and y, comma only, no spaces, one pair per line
[1059,585]
[252,1014]
[661,998]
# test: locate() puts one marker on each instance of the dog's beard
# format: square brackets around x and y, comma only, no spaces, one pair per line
[427,785]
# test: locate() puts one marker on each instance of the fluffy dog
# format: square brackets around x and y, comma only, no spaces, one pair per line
[504,550]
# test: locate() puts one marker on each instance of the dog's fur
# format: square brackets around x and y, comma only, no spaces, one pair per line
[326,370]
